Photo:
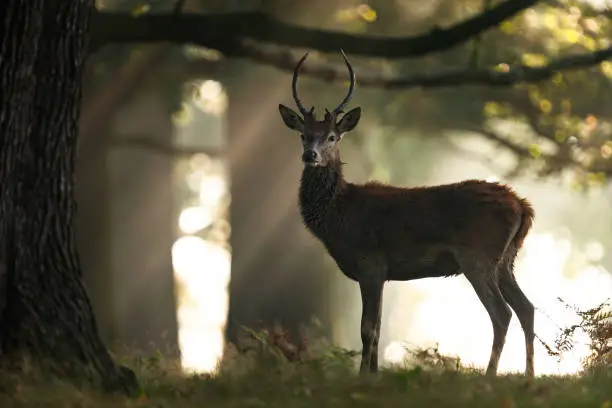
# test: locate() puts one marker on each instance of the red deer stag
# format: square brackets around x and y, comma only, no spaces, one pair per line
[378,233]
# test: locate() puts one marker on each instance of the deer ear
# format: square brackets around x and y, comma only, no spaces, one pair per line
[349,120]
[291,118]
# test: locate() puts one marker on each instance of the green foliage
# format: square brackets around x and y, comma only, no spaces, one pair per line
[277,383]
[264,370]
[566,123]
[596,323]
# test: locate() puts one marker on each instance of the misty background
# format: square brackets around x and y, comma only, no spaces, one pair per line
[188,225]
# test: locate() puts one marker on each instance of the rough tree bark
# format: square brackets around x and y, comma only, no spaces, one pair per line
[46,314]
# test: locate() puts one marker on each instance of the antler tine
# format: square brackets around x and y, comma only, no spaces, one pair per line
[303,110]
[351,87]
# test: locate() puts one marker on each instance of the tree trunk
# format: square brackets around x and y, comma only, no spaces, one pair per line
[143,222]
[47,317]
[278,275]
[94,232]
[22,21]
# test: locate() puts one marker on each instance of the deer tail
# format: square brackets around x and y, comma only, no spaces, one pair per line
[527,215]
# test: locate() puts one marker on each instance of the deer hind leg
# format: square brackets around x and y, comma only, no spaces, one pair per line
[371,298]
[485,285]
[522,307]
[374,357]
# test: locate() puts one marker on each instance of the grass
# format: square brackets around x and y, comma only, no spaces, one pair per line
[265,378]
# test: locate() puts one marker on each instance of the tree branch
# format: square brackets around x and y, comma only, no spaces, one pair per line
[234,35]
[553,163]
[487,160]
[513,74]
[224,32]
[491,135]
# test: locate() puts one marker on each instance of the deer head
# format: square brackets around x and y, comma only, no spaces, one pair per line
[320,138]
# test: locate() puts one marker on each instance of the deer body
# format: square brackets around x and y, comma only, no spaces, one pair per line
[377,233]
[410,233]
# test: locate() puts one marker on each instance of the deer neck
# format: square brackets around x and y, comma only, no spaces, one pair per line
[319,188]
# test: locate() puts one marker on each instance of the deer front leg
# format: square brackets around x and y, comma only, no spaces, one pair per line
[371,299]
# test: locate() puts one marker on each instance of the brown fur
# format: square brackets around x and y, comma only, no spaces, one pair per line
[408,230]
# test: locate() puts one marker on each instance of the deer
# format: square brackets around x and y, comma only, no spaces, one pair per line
[377,232]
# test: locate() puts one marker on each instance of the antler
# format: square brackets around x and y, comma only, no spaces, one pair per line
[303,110]
[340,107]
[351,86]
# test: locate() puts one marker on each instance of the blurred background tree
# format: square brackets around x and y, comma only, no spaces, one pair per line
[527,98]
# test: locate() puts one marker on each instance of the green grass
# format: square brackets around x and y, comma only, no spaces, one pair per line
[266,379]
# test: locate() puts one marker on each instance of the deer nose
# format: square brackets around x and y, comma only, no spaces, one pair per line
[309,156]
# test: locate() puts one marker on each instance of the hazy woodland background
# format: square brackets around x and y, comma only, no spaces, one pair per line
[187,180]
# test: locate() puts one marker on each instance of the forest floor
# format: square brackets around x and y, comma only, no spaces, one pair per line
[330,380]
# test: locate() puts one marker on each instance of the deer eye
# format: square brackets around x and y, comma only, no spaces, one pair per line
[331,138]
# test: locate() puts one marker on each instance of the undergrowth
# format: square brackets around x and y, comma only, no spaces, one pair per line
[596,323]
[270,369]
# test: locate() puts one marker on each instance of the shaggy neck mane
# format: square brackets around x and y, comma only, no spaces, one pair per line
[318,188]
